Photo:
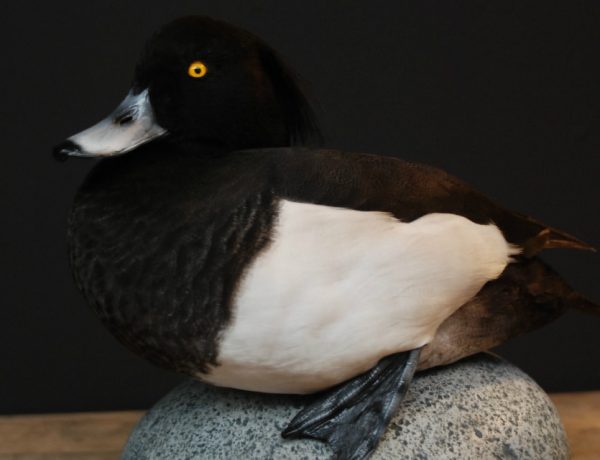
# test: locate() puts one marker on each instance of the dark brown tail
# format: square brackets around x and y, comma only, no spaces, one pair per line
[580,303]
[541,286]
[526,297]
[550,238]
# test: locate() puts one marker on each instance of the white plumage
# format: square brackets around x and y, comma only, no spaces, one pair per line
[338,289]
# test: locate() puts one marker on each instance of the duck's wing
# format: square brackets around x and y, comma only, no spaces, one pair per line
[353,416]
[406,190]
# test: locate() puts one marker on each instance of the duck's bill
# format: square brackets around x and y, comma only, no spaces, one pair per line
[129,126]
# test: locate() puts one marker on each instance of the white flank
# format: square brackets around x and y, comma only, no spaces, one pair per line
[338,289]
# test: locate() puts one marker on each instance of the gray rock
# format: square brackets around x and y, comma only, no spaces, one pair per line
[479,408]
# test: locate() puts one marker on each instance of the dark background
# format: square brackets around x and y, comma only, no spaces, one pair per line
[502,94]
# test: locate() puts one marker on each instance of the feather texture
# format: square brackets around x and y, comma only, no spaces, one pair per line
[337,289]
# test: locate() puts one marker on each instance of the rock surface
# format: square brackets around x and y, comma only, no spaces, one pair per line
[479,408]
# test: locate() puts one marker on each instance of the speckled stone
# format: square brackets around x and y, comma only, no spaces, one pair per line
[480,408]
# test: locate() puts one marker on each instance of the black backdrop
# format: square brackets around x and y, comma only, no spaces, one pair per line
[503,94]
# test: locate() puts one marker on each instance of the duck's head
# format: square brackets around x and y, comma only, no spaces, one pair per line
[202,82]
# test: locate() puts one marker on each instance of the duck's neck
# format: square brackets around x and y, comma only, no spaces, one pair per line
[207,146]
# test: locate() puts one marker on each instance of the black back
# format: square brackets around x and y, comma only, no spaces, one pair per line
[405,190]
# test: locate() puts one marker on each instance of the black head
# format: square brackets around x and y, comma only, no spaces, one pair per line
[201,81]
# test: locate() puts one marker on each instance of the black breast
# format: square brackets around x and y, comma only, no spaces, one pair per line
[158,242]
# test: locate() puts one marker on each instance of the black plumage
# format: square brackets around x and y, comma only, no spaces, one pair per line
[161,238]
[159,243]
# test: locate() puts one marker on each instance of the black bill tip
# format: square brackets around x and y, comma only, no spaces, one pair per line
[64,150]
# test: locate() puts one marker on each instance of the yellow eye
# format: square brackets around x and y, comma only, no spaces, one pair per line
[197,69]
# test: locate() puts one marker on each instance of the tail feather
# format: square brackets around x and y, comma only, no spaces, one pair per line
[532,235]
[584,305]
[528,295]
[550,238]
[560,239]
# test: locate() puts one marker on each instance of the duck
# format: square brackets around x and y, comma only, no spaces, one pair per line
[213,238]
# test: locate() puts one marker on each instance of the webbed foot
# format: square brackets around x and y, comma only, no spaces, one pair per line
[353,416]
